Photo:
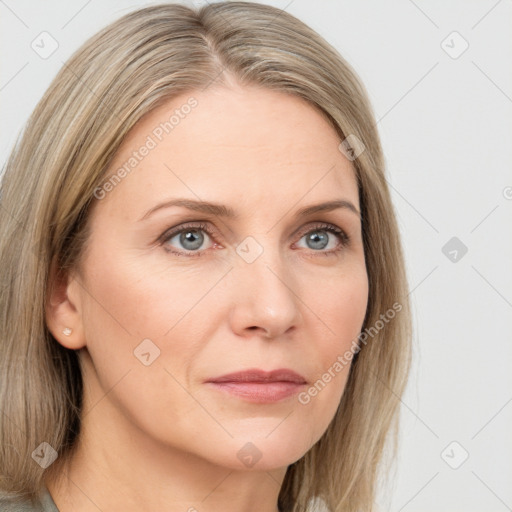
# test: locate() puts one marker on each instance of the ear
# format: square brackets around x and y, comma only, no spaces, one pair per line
[63,308]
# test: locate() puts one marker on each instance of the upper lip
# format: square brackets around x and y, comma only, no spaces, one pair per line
[257,375]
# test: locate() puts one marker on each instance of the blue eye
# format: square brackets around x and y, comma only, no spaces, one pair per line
[319,238]
[191,238]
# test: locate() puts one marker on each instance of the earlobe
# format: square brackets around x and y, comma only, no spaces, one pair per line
[62,310]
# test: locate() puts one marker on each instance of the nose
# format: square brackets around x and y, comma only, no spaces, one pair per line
[265,296]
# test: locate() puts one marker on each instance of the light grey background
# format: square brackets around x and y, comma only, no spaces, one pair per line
[446,128]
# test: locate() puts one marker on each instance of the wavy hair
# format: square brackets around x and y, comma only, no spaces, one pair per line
[129,68]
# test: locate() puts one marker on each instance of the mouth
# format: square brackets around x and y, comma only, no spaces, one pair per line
[259,386]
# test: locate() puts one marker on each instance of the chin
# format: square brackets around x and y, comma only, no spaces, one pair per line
[252,453]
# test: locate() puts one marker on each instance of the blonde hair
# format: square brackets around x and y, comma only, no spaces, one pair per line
[126,70]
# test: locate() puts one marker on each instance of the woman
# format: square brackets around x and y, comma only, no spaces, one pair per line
[204,303]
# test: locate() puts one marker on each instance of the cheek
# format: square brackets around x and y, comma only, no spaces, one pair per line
[135,299]
[126,313]
[343,308]
[135,314]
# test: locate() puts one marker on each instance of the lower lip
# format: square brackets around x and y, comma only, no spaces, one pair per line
[259,392]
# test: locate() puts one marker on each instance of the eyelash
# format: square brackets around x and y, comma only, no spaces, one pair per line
[200,226]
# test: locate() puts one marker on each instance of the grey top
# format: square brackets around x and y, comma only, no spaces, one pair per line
[45,504]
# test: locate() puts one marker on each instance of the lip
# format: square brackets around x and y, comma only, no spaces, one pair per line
[260,386]
[262,376]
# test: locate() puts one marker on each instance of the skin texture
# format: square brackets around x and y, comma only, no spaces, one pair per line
[157,437]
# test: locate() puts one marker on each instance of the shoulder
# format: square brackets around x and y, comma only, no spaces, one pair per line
[12,504]
[17,505]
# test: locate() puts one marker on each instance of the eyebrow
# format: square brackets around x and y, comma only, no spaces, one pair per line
[227,212]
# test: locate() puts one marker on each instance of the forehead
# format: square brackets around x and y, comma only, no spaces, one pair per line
[233,143]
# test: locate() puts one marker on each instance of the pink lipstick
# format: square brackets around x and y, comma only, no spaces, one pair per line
[259,386]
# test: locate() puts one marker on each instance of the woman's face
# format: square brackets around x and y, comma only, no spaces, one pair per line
[267,288]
